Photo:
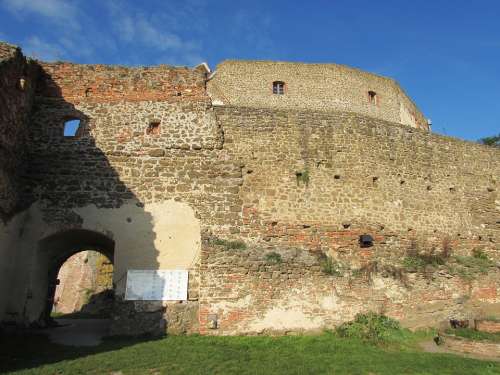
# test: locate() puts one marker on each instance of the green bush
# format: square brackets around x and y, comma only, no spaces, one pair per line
[371,327]
[273,258]
[479,254]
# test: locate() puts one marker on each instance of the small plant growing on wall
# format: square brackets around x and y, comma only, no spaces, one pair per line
[229,245]
[330,266]
[302,177]
[273,258]
[417,259]
[479,254]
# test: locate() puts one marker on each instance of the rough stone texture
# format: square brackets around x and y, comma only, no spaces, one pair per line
[318,87]
[303,184]
[251,294]
[182,318]
[16,91]
[402,186]
[463,345]
[110,84]
[490,326]
[135,318]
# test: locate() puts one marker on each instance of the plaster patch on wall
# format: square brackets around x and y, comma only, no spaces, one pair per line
[391,290]
[163,235]
[285,318]
[330,302]
[290,314]
[227,306]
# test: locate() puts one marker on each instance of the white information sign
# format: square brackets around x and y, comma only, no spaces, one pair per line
[156,285]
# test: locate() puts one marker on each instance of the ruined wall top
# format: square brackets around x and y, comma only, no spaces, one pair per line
[7,51]
[110,83]
[325,87]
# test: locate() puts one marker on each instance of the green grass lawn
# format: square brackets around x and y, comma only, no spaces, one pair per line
[323,354]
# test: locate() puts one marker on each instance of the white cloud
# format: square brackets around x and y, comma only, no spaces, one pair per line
[169,34]
[156,31]
[42,50]
[54,10]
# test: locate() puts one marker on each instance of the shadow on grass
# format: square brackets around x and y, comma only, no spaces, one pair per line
[31,350]
[323,354]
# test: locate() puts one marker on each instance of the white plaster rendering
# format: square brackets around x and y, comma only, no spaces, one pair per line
[162,235]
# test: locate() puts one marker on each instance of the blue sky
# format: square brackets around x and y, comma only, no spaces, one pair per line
[445,53]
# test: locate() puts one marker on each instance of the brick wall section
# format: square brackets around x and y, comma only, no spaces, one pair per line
[15,103]
[317,87]
[251,294]
[109,84]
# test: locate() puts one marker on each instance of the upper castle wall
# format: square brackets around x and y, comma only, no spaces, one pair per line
[324,87]
[108,84]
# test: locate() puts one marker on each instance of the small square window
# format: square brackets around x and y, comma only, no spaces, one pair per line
[278,88]
[71,128]
[153,127]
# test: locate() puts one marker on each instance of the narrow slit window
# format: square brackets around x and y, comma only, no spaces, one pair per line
[372,97]
[71,128]
[278,88]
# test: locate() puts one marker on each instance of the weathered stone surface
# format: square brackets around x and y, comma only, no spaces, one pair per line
[182,318]
[134,319]
[485,349]
[151,173]
[318,87]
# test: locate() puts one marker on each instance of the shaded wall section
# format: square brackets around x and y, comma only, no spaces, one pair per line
[143,170]
[17,78]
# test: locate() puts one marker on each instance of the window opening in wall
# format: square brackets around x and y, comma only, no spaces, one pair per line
[71,128]
[366,240]
[278,87]
[372,97]
[153,128]
[22,83]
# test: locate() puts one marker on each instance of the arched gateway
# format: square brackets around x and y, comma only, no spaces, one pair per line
[54,250]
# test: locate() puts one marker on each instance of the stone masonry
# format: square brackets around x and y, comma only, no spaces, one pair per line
[263,199]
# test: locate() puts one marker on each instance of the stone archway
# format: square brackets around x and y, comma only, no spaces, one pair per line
[54,250]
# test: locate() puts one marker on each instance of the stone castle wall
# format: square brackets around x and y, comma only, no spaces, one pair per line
[16,91]
[407,188]
[147,191]
[301,185]
[16,95]
[317,87]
